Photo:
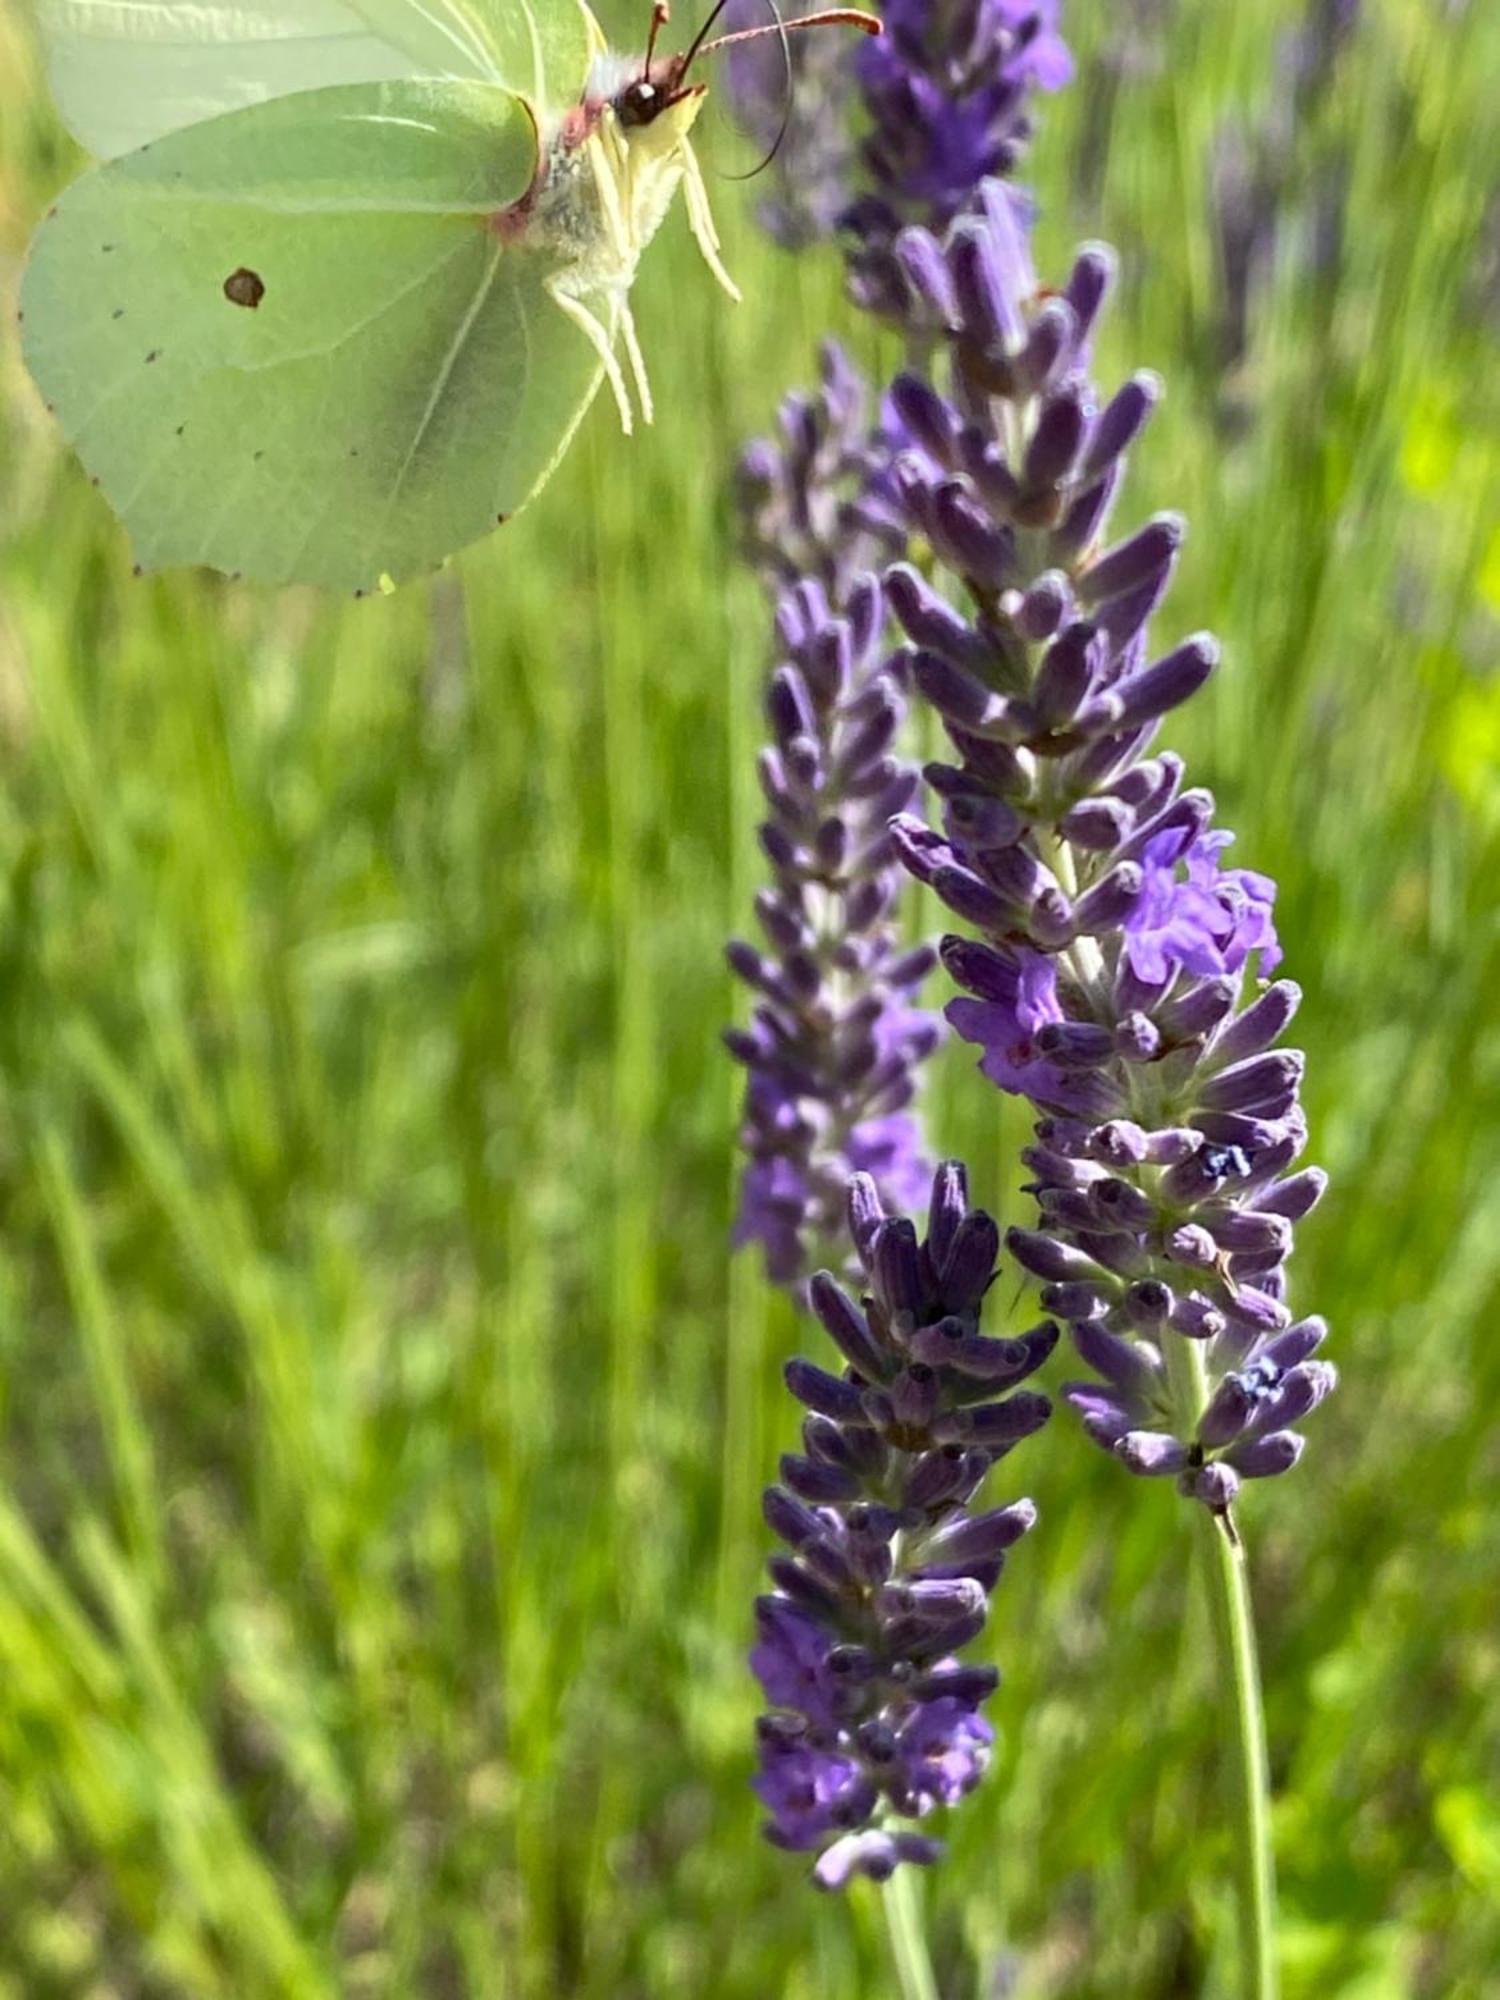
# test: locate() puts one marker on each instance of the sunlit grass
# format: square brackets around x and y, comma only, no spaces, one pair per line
[381,1420]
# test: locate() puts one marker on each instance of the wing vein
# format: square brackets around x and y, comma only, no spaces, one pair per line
[450,361]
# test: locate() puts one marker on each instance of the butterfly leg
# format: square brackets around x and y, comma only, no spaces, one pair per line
[701,220]
[637,362]
[597,338]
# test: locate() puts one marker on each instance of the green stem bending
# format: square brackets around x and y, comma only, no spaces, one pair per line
[1244,1749]
[903,1917]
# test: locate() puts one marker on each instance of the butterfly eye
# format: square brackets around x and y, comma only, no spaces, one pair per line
[639,102]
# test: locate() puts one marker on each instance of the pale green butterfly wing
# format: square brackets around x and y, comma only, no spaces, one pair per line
[542,48]
[384,377]
[125,72]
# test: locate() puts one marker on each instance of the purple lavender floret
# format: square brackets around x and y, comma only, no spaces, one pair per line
[946,90]
[873,1719]
[1117,976]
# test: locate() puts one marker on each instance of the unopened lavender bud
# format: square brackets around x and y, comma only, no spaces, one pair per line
[923,266]
[934,1477]
[1217,1485]
[1125,1363]
[929,620]
[1079,1300]
[1262,1086]
[1123,1205]
[829,1394]
[1196,1318]
[1191,1244]
[1056,441]
[1285,1350]
[895,1268]
[914,1396]
[985,306]
[968,1685]
[1296,1196]
[1149,1304]
[1045,1258]
[1263,1022]
[1189,1016]
[965,539]
[1109,904]
[954,692]
[817,1482]
[1151,1453]
[999,1426]
[1052,332]
[1068,666]
[926,416]
[846,1326]
[1088,284]
[979,1537]
[969,1263]
[1230,1409]
[1042,609]
[1140,559]
[1170,682]
[1267,1457]
[788,1518]
[1119,422]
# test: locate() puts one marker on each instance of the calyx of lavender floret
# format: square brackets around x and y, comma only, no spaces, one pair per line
[889,1564]
[835,1042]
[1115,980]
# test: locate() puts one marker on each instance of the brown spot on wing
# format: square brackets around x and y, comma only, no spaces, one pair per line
[245,288]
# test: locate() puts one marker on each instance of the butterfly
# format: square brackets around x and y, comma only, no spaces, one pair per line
[351,271]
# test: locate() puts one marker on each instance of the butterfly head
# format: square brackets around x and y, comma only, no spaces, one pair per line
[654,101]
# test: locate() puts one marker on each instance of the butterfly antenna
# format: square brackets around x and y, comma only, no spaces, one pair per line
[786,99]
[830,17]
[661,13]
[695,47]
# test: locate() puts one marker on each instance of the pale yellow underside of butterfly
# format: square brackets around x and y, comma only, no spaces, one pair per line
[351,271]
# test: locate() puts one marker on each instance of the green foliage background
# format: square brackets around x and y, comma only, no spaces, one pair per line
[382,1420]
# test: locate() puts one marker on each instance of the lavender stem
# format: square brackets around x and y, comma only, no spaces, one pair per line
[903,1920]
[1243,1737]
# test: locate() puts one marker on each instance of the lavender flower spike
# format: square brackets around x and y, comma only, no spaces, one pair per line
[834,1042]
[1117,980]
[873,1721]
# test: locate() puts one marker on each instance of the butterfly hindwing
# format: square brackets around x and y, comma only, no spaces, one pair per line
[288,343]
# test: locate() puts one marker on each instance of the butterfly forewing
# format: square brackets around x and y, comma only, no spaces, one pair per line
[287,343]
[125,72]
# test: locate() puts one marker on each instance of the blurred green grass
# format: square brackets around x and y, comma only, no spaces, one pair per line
[382,1421]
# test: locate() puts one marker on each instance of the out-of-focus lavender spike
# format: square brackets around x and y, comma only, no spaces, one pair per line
[873,1721]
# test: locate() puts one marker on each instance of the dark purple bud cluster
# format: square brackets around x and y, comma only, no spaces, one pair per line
[889,1567]
[835,1041]
[1114,981]
[817,505]
[946,93]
